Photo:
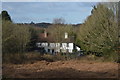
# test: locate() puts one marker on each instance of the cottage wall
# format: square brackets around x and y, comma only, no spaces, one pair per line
[57,47]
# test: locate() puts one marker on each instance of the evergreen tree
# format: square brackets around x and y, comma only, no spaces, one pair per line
[6,16]
[99,32]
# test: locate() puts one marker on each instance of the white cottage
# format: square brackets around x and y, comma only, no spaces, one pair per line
[64,47]
[57,47]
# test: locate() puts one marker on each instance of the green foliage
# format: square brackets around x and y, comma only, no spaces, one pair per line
[57,31]
[99,32]
[5,16]
[33,39]
[14,37]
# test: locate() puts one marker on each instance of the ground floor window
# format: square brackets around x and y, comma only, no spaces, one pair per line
[52,50]
[48,50]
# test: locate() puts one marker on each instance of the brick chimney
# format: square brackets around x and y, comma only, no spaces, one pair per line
[45,33]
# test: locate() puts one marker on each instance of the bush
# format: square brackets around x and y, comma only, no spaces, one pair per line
[14,37]
[31,57]
[110,55]
[21,58]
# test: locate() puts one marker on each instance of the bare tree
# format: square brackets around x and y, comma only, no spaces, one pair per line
[58,21]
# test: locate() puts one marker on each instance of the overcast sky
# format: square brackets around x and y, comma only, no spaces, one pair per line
[25,12]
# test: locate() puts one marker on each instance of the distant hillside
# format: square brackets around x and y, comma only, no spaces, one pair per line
[45,25]
[42,25]
[76,25]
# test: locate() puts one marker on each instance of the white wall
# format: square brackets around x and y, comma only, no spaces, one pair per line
[56,46]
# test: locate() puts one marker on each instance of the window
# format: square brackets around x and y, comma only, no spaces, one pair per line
[52,50]
[48,50]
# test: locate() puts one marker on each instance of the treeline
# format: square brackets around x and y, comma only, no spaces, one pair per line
[16,38]
[99,33]
[58,29]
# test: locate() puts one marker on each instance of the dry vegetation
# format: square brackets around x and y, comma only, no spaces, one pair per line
[34,65]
